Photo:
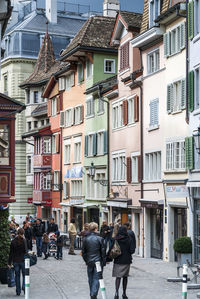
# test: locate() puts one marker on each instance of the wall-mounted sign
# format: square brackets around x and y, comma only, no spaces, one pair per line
[176,191]
[75,172]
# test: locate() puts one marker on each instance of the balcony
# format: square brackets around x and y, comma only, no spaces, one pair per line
[42,160]
[42,197]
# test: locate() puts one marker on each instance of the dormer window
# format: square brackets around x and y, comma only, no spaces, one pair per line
[154,11]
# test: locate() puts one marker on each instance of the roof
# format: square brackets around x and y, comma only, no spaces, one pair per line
[106,82]
[5,15]
[95,33]
[132,19]
[40,110]
[8,104]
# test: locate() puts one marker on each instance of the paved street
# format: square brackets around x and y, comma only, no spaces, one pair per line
[52,279]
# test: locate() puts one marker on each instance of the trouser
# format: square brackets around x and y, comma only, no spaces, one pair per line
[59,252]
[39,245]
[93,280]
[18,268]
[72,240]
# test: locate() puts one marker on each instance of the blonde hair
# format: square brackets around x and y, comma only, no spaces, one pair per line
[93,226]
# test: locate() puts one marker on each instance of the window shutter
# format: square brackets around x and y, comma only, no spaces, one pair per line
[136,108]
[156,112]
[86,145]
[72,79]
[182,29]
[191,20]
[178,39]
[191,91]
[82,114]
[139,168]
[95,144]
[128,169]
[183,93]
[49,108]
[166,39]
[189,152]
[151,113]
[66,189]
[125,112]
[105,143]
[169,98]
[62,119]
[58,103]
[57,143]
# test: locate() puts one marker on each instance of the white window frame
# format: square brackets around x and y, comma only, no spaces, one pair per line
[46,182]
[119,166]
[156,62]
[69,81]
[80,73]
[112,61]
[131,109]
[100,143]
[69,117]
[76,188]
[47,145]
[134,167]
[117,114]
[90,107]
[172,152]
[61,83]
[77,114]
[89,69]
[54,143]
[153,166]
[152,12]
[55,180]
[90,144]
[99,189]
[77,150]
[53,106]
[67,151]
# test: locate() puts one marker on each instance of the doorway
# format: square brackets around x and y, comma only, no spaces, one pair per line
[157,233]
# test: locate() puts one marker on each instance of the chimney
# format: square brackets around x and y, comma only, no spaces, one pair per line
[51,11]
[110,8]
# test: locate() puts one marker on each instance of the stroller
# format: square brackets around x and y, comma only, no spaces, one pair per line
[52,244]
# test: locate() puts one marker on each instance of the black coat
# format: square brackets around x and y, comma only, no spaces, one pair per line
[127,249]
[18,248]
[38,230]
[93,249]
[105,231]
[132,236]
[52,228]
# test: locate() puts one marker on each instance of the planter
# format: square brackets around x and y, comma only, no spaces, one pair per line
[183,257]
[3,275]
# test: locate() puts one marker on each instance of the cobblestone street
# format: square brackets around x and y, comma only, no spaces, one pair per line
[67,279]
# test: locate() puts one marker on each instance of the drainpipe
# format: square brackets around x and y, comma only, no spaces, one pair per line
[187,64]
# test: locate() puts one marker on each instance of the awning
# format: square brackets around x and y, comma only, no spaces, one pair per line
[178,203]
[119,202]
[193,184]
[135,209]
[150,203]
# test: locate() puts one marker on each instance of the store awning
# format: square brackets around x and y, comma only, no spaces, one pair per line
[119,202]
[193,184]
[150,203]
[178,203]
[135,209]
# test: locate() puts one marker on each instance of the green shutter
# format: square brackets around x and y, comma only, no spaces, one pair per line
[191,91]
[95,144]
[183,94]
[105,144]
[169,98]
[86,146]
[189,152]
[191,20]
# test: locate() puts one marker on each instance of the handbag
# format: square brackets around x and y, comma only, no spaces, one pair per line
[32,256]
[11,277]
[115,251]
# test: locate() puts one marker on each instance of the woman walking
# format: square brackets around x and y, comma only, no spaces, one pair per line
[18,248]
[121,266]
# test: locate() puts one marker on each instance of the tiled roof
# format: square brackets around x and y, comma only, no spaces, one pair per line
[132,19]
[96,32]
[40,110]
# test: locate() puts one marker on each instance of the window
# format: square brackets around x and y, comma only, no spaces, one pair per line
[153,166]
[35,124]
[131,109]
[100,190]
[109,66]
[175,155]
[69,81]
[134,172]
[196,88]
[53,106]
[100,143]
[117,115]
[66,189]
[35,97]
[77,152]
[42,122]
[56,180]
[154,112]
[5,80]
[53,144]
[28,100]
[69,117]
[124,56]
[176,96]
[89,67]
[118,167]
[196,17]
[29,165]
[174,40]
[80,73]
[78,115]
[29,125]
[76,188]
[61,83]
[154,11]
[47,145]
[100,106]
[90,107]
[153,61]
[90,144]
[46,182]
[90,187]
[67,152]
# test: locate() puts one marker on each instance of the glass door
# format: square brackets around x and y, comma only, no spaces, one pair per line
[156,233]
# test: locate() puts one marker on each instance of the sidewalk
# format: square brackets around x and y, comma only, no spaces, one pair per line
[67,279]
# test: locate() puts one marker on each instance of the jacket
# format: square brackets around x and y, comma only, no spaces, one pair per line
[17,251]
[60,241]
[105,231]
[38,230]
[72,229]
[127,249]
[93,249]
[28,233]
[52,228]
[132,235]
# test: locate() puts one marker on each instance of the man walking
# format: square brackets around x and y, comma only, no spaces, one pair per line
[52,226]
[38,231]
[93,251]
[72,236]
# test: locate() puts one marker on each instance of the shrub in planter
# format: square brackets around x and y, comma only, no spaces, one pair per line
[4,243]
[183,245]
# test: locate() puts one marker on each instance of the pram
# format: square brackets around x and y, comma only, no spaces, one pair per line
[52,244]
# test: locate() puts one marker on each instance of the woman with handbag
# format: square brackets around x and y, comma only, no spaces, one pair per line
[123,249]
[16,257]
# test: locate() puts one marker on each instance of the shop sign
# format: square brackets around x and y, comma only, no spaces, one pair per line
[178,191]
[74,172]
[30,200]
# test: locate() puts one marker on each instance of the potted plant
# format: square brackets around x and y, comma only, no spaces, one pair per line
[183,246]
[4,244]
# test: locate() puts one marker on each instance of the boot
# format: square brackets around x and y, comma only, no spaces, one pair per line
[116,296]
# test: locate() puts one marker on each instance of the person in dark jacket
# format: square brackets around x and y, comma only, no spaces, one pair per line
[105,233]
[28,233]
[93,251]
[45,242]
[59,244]
[121,266]
[52,226]
[131,233]
[18,249]
[38,231]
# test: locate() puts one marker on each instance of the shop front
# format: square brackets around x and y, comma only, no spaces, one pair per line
[119,209]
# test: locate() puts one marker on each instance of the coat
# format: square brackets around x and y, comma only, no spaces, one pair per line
[105,231]
[93,249]
[18,248]
[52,228]
[127,249]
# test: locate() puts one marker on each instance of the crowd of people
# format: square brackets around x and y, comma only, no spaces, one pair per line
[96,247]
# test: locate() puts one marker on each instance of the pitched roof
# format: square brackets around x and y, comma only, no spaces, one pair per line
[40,110]
[132,19]
[96,32]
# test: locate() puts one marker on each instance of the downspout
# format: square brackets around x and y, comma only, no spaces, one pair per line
[187,64]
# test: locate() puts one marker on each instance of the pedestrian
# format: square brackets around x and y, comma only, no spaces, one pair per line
[121,266]
[52,226]
[116,227]
[45,243]
[72,236]
[105,233]
[59,244]
[38,231]
[28,233]
[85,230]
[17,226]
[93,251]
[18,249]
[131,233]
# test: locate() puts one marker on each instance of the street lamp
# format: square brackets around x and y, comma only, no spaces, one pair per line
[92,170]
[197,140]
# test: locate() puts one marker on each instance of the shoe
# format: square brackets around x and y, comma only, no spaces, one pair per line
[94,297]
[18,294]
[116,296]
[124,297]
[60,258]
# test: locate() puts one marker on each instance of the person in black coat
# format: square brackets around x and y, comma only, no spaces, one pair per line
[131,233]
[28,233]
[121,266]
[38,231]
[105,232]
[52,226]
